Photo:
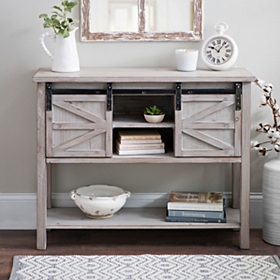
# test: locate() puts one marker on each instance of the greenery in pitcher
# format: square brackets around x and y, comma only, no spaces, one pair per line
[59,20]
[153,110]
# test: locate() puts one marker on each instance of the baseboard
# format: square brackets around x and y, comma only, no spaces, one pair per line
[18,211]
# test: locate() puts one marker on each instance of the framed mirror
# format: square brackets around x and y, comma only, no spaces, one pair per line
[141,20]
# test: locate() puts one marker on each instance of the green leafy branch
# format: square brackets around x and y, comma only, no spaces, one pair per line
[58,21]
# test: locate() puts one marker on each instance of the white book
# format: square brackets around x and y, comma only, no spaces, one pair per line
[139,141]
[141,152]
[139,146]
[194,206]
[207,201]
[144,134]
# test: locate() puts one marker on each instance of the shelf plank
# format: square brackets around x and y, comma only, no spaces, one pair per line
[132,124]
[130,218]
[158,158]
[141,75]
[124,121]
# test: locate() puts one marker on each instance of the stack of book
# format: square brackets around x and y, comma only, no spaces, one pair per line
[139,141]
[196,207]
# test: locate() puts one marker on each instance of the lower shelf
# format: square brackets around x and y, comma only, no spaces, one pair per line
[168,157]
[129,218]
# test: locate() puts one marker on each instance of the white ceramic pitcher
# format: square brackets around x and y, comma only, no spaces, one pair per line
[65,58]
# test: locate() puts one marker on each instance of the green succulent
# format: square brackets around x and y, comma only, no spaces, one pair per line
[58,21]
[153,110]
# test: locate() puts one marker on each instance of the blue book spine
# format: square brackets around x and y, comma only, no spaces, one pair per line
[196,214]
[195,220]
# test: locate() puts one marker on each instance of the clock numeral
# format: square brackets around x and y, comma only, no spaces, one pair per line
[219,52]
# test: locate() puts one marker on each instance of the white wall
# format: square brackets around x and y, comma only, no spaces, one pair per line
[255,25]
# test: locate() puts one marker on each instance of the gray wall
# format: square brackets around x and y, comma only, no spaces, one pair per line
[255,25]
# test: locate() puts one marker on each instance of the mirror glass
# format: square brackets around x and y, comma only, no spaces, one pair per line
[167,15]
[141,20]
[113,16]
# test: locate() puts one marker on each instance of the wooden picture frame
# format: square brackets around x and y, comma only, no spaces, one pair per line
[195,34]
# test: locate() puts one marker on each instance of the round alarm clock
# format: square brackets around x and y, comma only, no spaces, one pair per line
[220,51]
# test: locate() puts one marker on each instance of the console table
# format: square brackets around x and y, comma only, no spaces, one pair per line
[207,121]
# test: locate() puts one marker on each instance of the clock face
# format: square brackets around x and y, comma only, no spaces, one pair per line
[218,51]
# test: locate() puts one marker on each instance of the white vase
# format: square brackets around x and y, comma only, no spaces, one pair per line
[271,201]
[65,57]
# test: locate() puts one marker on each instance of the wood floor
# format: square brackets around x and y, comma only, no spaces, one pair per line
[111,242]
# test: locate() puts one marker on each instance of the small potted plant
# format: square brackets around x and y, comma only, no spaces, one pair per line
[153,114]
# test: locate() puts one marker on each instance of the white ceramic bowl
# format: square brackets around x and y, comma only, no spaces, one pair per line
[99,201]
[154,118]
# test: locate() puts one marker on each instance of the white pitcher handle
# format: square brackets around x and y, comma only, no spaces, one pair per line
[42,42]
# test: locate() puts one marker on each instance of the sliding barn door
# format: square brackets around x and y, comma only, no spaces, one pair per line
[208,125]
[79,126]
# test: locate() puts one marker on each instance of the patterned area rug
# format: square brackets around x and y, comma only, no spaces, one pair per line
[148,267]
